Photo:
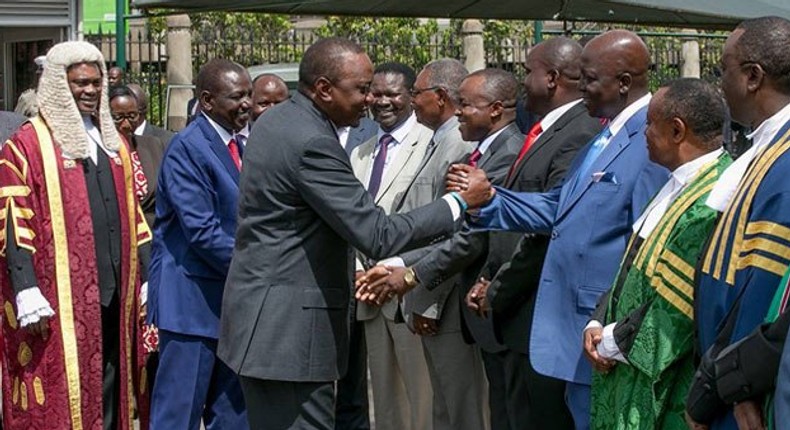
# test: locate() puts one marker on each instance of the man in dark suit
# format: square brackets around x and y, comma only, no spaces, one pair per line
[486,113]
[9,122]
[285,319]
[144,127]
[196,207]
[551,86]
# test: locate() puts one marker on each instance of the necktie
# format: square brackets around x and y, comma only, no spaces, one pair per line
[233,148]
[378,165]
[597,147]
[474,157]
[532,136]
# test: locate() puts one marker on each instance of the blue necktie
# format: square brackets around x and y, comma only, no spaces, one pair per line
[598,146]
[378,165]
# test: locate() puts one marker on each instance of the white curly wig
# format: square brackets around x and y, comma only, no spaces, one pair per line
[58,108]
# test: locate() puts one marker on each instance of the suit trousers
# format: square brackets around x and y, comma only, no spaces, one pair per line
[402,395]
[111,361]
[351,408]
[534,401]
[460,389]
[192,384]
[577,396]
[285,405]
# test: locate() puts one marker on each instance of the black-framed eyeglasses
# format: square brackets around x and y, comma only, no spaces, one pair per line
[417,91]
[132,117]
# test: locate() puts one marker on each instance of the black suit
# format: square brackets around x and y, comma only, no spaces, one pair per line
[534,400]
[284,324]
[158,132]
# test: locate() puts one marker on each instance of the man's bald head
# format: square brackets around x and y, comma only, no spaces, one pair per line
[553,74]
[268,90]
[614,72]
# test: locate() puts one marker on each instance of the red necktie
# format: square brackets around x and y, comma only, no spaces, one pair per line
[233,148]
[532,136]
[474,157]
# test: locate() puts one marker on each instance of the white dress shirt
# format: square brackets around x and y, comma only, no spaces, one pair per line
[725,187]
[398,135]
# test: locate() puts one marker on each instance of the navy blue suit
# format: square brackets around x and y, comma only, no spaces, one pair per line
[589,223]
[196,208]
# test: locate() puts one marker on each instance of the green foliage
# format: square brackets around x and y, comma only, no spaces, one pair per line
[505,41]
[406,40]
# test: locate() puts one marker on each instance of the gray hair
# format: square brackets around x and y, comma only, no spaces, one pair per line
[447,73]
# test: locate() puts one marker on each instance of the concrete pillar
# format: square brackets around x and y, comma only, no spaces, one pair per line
[689,55]
[179,69]
[474,50]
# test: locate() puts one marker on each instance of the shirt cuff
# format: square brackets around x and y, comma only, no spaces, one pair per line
[392,262]
[455,207]
[31,306]
[593,324]
[144,294]
[608,346]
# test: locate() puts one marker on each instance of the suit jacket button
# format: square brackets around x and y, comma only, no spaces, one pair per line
[554,234]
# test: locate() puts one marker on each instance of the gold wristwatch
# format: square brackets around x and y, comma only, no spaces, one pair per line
[410,278]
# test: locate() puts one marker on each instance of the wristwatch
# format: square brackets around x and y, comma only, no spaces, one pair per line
[410,278]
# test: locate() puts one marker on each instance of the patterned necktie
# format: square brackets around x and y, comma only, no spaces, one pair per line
[532,136]
[474,157]
[140,181]
[233,148]
[378,165]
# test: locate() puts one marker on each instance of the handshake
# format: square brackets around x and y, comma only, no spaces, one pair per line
[381,283]
[470,183]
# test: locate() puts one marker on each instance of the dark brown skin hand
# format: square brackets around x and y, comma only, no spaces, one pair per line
[424,326]
[693,425]
[478,191]
[749,415]
[383,288]
[358,274]
[476,299]
[592,337]
[363,279]
[40,328]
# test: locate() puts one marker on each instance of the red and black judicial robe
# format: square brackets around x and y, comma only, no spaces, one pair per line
[57,383]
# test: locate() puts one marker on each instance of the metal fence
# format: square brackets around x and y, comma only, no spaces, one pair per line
[147,57]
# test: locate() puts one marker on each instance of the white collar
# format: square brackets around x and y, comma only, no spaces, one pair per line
[399,133]
[619,121]
[689,170]
[486,143]
[550,118]
[224,135]
[140,128]
[94,136]
[724,190]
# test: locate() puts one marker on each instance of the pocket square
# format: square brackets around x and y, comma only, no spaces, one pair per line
[604,177]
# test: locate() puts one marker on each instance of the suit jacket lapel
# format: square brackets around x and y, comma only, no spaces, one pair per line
[619,142]
[399,162]
[219,147]
[497,143]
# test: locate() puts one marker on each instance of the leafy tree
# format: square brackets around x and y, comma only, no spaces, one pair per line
[410,41]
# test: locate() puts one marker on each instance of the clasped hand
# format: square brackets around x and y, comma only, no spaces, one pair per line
[471,183]
[380,284]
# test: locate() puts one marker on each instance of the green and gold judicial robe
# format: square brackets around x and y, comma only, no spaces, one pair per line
[652,302]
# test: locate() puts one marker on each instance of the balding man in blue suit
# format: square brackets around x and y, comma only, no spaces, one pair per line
[590,215]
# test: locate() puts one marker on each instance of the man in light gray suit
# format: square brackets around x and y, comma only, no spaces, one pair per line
[487,115]
[457,376]
[387,163]
[9,122]
[284,326]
